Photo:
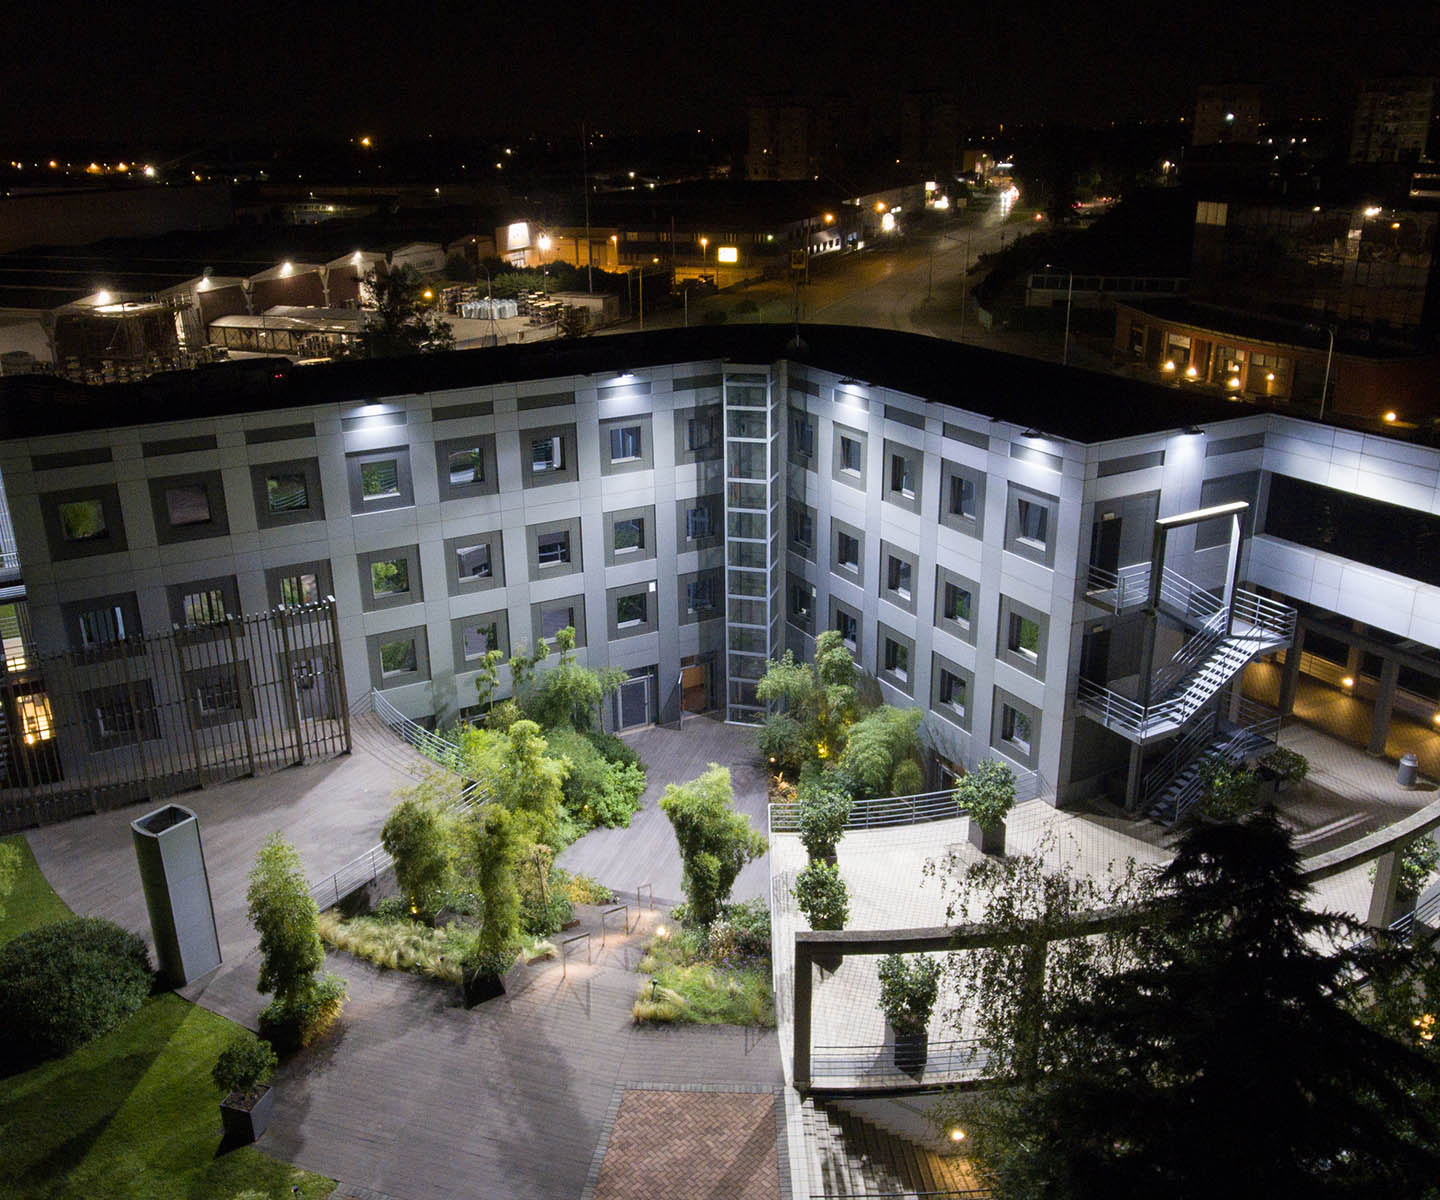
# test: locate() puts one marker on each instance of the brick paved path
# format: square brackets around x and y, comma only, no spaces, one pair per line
[703,1145]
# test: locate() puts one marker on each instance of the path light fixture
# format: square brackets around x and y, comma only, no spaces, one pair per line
[654,990]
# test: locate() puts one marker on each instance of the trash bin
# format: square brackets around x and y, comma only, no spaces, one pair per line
[1409,767]
[177,893]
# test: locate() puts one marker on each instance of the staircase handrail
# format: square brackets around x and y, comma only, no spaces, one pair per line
[427,742]
[1180,756]
[1265,614]
[1190,656]
[1188,597]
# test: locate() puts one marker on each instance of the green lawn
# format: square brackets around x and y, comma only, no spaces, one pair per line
[132,1115]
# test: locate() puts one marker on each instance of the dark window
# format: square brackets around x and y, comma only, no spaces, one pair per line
[897,659]
[477,639]
[902,476]
[847,551]
[700,595]
[625,443]
[898,579]
[802,600]
[101,625]
[630,610]
[962,497]
[697,523]
[1015,728]
[802,528]
[849,454]
[952,690]
[397,657]
[299,589]
[629,535]
[389,577]
[1404,541]
[802,435]
[699,433]
[467,466]
[847,626]
[473,562]
[957,603]
[553,620]
[1034,522]
[285,492]
[83,520]
[187,504]
[1024,636]
[552,548]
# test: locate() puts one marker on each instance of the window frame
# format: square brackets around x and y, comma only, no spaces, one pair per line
[276,576]
[355,463]
[498,618]
[562,438]
[576,606]
[309,469]
[489,485]
[910,460]
[112,541]
[415,592]
[374,647]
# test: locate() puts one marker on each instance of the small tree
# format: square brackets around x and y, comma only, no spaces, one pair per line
[1229,791]
[487,678]
[285,916]
[244,1066]
[987,793]
[823,814]
[402,322]
[822,896]
[783,743]
[492,851]
[715,841]
[820,697]
[515,769]
[569,694]
[908,991]
[416,835]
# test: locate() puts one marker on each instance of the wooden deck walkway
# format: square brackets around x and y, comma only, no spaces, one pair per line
[646,852]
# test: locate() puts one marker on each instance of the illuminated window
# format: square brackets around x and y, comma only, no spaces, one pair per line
[83,520]
[36,724]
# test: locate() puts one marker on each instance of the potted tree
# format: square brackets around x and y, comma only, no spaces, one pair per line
[823,814]
[242,1074]
[1282,767]
[987,794]
[1230,792]
[907,996]
[824,900]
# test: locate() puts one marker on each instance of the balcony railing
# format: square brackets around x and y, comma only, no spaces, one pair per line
[891,811]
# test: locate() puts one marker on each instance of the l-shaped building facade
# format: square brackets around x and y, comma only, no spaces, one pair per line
[979,527]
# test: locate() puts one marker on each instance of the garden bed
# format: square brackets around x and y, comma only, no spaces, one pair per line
[720,976]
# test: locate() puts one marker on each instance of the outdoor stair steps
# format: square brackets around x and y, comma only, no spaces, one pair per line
[1233,748]
[854,1157]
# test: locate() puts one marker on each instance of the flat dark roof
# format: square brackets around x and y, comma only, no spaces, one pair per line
[1065,402]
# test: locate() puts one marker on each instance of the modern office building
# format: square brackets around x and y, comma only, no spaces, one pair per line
[1065,569]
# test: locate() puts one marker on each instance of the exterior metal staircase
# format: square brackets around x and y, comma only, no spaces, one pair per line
[851,1157]
[1176,782]
[1226,639]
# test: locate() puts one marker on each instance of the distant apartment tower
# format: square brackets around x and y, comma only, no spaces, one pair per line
[1227,113]
[1392,120]
[791,137]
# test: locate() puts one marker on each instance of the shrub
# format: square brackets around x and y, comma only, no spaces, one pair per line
[822,896]
[823,814]
[907,779]
[1418,862]
[597,791]
[783,743]
[987,793]
[416,835]
[1287,764]
[66,983]
[1229,792]
[908,991]
[294,1022]
[613,749]
[504,715]
[877,743]
[244,1066]
[741,934]
[284,915]
[715,841]
[581,889]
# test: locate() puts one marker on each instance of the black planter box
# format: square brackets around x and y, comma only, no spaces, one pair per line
[911,1051]
[987,841]
[480,987]
[243,1125]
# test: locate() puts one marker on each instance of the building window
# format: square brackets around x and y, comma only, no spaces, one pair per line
[700,595]
[897,660]
[83,520]
[478,640]
[802,435]
[629,535]
[286,492]
[952,691]
[847,552]
[802,528]
[850,455]
[897,577]
[552,549]
[121,715]
[398,657]
[1033,523]
[466,466]
[902,476]
[697,523]
[37,723]
[802,602]
[187,504]
[630,610]
[380,479]
[204,607]
[303,588]
[554,618]
[847,625]
[962,497]
[473,562]
[956,604]
[625,443]
[547,454]
[1024,637]
[389,577]
[1015,729]
[100,626]
[699,433]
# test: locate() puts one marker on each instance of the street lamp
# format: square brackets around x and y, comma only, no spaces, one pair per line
[544,243]
[704,245]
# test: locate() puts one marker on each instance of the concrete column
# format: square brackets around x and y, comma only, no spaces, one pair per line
[1290,673]
[803,988]
[1382,898]
[1133,778]
[1384,707]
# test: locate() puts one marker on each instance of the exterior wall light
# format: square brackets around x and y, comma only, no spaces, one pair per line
[1348,681]
[1392,416]
[1168,365]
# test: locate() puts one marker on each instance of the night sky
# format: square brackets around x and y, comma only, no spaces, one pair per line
[154,72]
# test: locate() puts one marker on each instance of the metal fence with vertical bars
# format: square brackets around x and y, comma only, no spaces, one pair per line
[147,717]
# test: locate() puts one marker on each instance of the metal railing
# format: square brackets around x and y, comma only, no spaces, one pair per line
[908,1194]
[427,742]
[890,811]
[1191,656]
[1277,620]
[1120,589]
[949,1061]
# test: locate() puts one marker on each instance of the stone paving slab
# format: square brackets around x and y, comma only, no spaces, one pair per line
[702,1144]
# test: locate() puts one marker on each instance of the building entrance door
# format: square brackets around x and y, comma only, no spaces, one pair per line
[632,703]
